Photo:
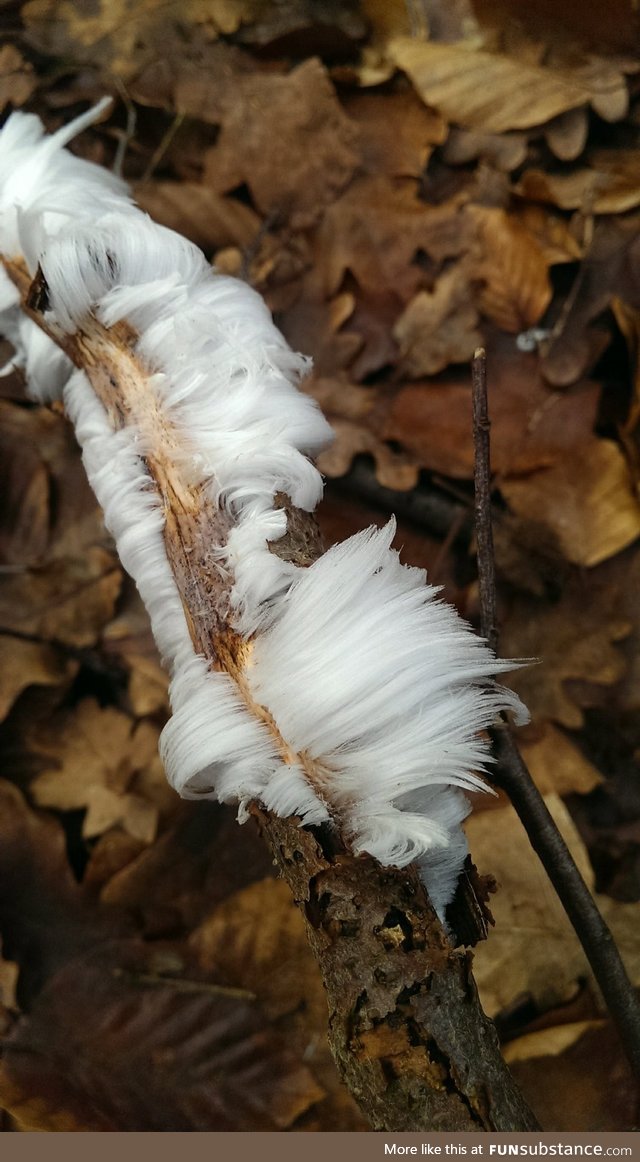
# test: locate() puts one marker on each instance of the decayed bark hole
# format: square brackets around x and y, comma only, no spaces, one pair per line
[405,1024]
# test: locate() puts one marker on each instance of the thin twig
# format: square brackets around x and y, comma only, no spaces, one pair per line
[482,480]
[127,135]
[162,148]
[514,778]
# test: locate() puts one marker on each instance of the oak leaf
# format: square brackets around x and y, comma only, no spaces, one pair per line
[288,139]
[95,754]
[439,327]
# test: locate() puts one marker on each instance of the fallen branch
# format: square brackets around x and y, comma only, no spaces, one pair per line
[226,563]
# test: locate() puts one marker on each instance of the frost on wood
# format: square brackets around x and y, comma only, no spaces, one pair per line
[343,691]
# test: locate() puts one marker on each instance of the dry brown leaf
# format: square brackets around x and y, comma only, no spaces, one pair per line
[148,686]
[206,218]
[26,663]
[400,142]
[24,489]
[102,1050]
[9,974]
[533,952]
[67,601]
[551,231]
[62,585]
[255,939]
[44,914]
[17,77]
[575,1076]
[124,34]
[95,755]
[588,502]
[287,138]
[513,269]
[375,230]
[549,1042]
[387,18]
[505,151]
[610,268]
[313,325]
[348,406]
[556,763]
[192,867]
[575,639]
[609,185]
[393,469]
[110,854]
[323,26]
[492,92]
[439,327]
[628,321]
[532,426]
[567,134]
[128,640]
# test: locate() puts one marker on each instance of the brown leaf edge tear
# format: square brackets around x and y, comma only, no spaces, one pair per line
[406,1027]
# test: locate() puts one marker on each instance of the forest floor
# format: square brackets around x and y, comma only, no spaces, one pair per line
[403,183]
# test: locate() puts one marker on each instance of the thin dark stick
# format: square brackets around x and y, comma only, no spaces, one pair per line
[514,778]
[482,481]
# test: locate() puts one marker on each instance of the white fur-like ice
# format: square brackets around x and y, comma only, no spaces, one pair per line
[379,692]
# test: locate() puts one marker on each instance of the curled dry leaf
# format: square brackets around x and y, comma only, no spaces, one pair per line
[505,151]
[610,184]
[493,92]
[567,134]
